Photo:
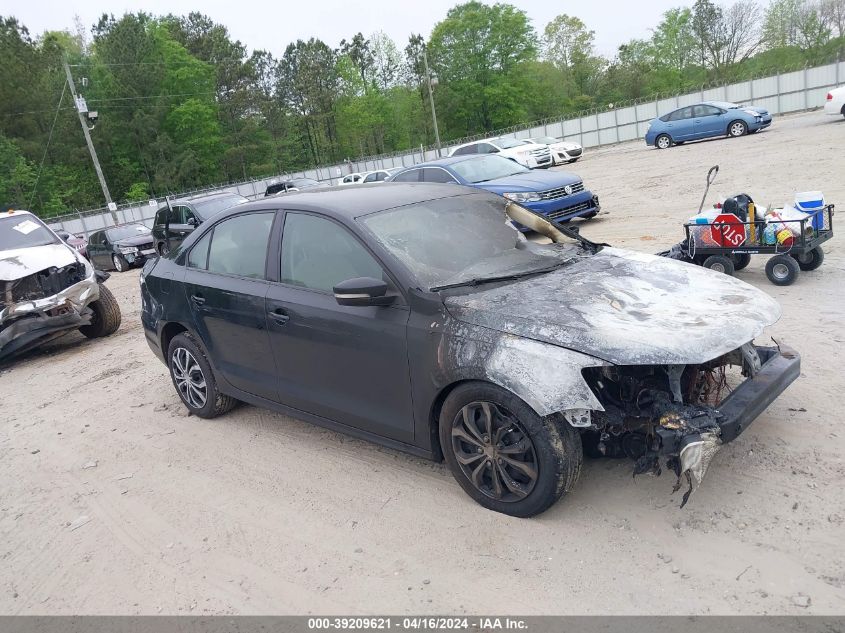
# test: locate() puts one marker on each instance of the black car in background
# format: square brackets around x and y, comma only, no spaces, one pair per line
[294,184]
[172,224]
[120,247]
[413,315]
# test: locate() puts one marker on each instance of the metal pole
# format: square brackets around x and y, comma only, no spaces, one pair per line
[431,100]
[87,134]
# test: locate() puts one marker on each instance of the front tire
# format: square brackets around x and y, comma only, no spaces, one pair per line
[503,454]
[737,128]
[193,379]
[106,315]
[782,270]
[664,141]
[120,263]
[810,261]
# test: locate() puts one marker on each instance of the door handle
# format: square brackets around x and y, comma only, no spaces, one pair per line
[279,316]
[198,300]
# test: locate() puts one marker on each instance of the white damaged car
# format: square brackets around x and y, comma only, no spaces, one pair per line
[47,288]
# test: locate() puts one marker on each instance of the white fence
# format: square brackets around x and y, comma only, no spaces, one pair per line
[780,94]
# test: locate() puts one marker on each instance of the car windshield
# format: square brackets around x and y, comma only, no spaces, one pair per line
[461,238]
[130,230]
[207,208]
[725,105]
[507,143]
[545,140]
[484,167]
[24,231]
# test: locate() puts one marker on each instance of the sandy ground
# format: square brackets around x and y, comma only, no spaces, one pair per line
[115,502]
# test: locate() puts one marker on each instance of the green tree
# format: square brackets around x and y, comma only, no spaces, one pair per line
[477,52]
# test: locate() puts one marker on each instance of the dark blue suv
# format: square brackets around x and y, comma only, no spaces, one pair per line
[558,195]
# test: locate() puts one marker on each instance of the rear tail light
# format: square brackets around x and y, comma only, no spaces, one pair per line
[829,97]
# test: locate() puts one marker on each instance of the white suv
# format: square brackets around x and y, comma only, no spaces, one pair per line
[526,154]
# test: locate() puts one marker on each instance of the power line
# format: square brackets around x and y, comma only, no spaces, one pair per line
[184,94]
[47,146]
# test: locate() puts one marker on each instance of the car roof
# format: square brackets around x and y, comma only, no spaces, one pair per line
[445,162]
[206,196]
[352,202]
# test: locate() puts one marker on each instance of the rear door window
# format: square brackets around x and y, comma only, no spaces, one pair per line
[469,149]
[198,257]
[412,175]
[239,245]
[435,174]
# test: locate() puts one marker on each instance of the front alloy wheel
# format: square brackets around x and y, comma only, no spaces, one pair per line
[503,454]
[120,263]
[737,128]
[663,141]
[494,452]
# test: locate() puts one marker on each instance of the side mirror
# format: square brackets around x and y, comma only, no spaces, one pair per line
[362,291]
[192,221]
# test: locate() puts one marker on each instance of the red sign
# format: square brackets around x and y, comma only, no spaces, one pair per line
[727,230]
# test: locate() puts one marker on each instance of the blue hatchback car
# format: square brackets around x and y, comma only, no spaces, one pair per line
[559,195]
[704,120]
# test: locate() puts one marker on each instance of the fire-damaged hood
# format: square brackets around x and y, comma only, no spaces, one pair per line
[18,263]
[626,308]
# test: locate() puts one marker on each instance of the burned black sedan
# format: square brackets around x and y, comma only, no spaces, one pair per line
[416,316]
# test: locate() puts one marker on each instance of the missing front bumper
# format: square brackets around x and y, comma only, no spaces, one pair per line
[689,447]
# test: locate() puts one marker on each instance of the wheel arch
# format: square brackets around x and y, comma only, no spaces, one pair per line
[168,333]
[737,120]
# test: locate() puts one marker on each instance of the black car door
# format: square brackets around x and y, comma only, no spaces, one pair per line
[178,228]
[93,247]
[225,286]
[347,364]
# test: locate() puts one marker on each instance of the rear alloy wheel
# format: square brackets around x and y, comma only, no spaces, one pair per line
[720,264]
[503,454]
[810,261]
[120,263]
[737,128]
[782,270]
[664,141]
[194,381]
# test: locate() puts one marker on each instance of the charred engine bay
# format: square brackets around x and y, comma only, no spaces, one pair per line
[669,411]
[44,283]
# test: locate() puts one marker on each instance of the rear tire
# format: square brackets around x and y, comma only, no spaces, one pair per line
[106,318]
[663,141]
[194,380]
[504,455]
[720,264]
[811,260]
[737,128]
[741,261]
[782,270]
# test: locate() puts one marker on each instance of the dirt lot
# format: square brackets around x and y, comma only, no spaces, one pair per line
[114,501]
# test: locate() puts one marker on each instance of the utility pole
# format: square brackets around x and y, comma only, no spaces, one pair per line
[91,149]
[431,100]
